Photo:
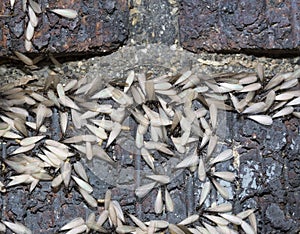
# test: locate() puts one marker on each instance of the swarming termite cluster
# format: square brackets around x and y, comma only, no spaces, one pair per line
[82,105]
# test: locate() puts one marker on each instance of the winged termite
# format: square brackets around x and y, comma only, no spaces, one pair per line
[248,80]
[57,144]
[148,158]
[42,175]
[29,31]
[284,96]
[168,201]
[158,204]
[183,77]
[213,140]
[217,220]
[25,178]
[99,132]
[118,115]
[35,6]
[162,179]
[33,184]
[121,98]
[30,140]
[23,149]
[223,156]
[205,138]
[244,214]
[68,102]
[144,189]
[89,150]
[82,184]
[213,111]
[253,222]
[20,111]
[255,108]
[51,95]
[189,161]
[231,86]
[222,208]
[251,87]
[57,181]
[19,124]
[84,89]
[118,209]
[63,154]
[76,119]
[24,58]
[114,133]
[66,173]
[137,95]
[17,227]
[232,218]
[28,45]
[55,160]
[63,121]
[112,214]
[201,170]
[289,84]
[100,153]
[138,222]
[276,80]
[139,139]
[262,119]
[205,191]
[178,145]
[158,146]
[73,223]
[102,218]
[32,17]
[162,85]
[222,190]
[189,220]
[79,169]
[247,228]
[294,102]
[193,81]
[285,111]
[225,175]
[88,198]
[158,224]
[67,13]
[40,115]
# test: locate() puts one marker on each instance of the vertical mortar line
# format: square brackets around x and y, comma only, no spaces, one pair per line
[294,24]
[137,175]
[3,154]
[190,193]
[55,125]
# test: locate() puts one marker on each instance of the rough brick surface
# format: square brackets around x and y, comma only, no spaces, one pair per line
[233,25]
[101,26]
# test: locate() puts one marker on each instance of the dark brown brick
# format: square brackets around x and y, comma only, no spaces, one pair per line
[102,26]
[234,25]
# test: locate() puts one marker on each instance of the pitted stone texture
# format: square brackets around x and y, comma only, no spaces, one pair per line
[253,25]
[101,26]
